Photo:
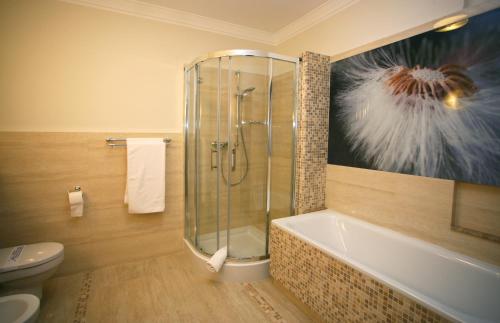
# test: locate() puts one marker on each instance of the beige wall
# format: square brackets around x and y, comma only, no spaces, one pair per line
[370,21]
[70,75]
[73,68]
[418,206]
[37,170]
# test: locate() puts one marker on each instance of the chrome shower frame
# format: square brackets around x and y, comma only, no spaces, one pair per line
[219,55]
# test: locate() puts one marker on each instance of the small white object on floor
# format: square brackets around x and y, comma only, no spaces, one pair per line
[215,263]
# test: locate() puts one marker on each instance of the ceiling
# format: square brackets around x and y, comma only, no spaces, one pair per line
[265,21]
[268,15]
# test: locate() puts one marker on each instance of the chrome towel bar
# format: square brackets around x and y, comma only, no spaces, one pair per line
[111,142]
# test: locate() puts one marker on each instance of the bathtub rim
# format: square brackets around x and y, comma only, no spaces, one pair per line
[442,309]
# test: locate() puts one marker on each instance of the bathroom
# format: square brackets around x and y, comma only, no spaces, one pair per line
[200,77]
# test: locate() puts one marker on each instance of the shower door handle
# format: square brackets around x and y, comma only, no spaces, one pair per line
[212,164]
[214,147]
[233,159]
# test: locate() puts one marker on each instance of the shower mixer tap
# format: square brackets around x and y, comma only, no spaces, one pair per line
[216,146]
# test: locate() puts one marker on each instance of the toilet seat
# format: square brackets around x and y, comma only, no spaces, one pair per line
[19,308]
[28,256]
[30,271]
[24,269]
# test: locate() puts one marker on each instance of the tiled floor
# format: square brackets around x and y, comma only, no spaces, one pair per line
[164,289]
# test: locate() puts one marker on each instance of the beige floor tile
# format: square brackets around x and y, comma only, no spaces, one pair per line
[164,289]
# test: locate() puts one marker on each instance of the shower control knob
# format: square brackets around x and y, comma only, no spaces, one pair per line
[218,145]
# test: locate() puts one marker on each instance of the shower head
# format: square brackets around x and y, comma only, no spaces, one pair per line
[246,92]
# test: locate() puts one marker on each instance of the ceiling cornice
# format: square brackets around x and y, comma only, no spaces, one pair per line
[178,17]
[310,19]
[187,19]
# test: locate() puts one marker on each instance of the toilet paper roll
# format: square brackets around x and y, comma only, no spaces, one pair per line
[76,203]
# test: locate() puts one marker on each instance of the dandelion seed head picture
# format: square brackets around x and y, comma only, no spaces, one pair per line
[428,105]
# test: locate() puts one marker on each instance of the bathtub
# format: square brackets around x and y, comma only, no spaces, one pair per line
[454,286]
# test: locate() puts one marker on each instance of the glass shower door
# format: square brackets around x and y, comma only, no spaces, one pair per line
[249,146]
[190,77]
[209,145]
[239,133]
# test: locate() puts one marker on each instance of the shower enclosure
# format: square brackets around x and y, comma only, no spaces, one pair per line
[240,111]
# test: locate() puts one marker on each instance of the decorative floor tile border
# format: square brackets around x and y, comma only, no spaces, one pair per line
[82,302]
[263,303]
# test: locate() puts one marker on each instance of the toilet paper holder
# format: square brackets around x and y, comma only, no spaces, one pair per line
[76,202]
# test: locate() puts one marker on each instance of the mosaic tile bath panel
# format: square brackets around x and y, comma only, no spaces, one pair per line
[335,291]
[312,133]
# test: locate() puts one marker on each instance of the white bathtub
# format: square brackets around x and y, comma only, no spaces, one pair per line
[457,286]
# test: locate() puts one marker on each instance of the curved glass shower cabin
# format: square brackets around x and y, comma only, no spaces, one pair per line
[240,110]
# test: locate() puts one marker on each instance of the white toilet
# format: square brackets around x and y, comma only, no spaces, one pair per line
[24,269]
[19,308]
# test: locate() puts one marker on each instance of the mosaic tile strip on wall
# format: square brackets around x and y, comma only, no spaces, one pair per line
[312,133]
[336,291]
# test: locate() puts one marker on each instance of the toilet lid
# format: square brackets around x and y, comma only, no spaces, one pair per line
[29,255]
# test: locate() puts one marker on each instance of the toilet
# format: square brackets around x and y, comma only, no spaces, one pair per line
[19,308]
[24,269]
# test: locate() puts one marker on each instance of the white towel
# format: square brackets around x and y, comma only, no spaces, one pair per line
[145,190]
[215,263]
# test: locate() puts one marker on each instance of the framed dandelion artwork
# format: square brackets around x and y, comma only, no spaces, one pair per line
[428,105]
